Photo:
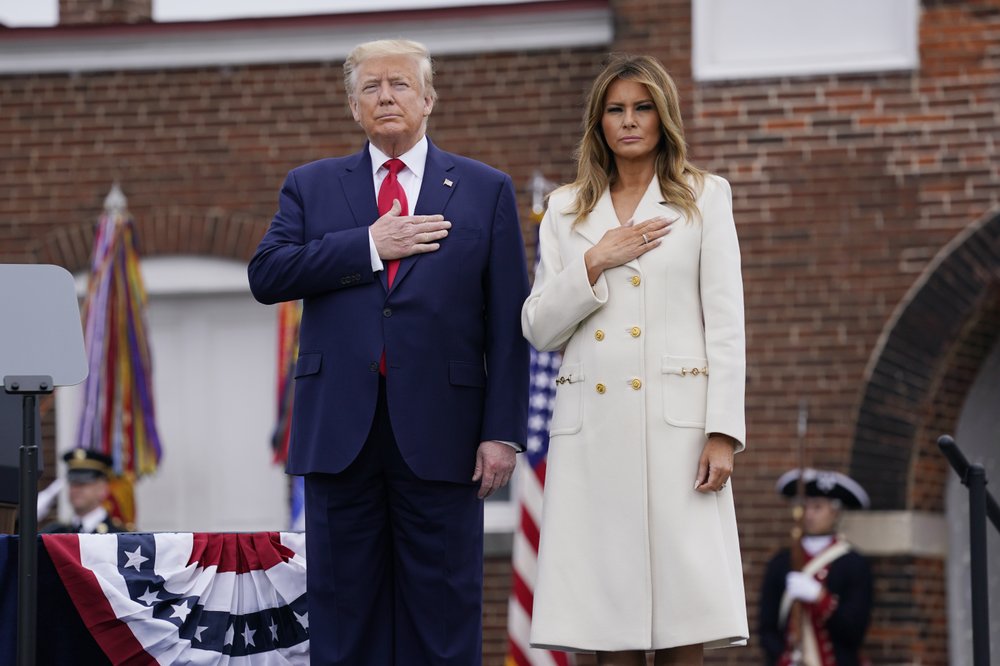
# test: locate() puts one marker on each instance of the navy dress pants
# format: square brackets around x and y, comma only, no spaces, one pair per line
[395,563]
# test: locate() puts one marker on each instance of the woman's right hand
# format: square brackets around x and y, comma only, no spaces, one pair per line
[622,245]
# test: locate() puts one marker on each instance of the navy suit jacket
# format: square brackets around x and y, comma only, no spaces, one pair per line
[450,325]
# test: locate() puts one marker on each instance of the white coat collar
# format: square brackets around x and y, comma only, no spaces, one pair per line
[603,217]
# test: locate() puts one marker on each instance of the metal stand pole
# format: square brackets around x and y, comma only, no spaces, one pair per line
[976,480]
[27,576]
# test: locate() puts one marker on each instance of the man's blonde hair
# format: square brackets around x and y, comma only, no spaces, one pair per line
[389,47]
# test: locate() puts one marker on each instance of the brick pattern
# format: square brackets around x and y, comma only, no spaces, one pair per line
[845,187]
[930,469]
[903,387]
[93,12]
[909,622]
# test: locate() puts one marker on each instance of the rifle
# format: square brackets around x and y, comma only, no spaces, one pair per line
[796,616]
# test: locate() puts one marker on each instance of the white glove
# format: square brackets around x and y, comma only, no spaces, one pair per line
[803,587]
[48,496]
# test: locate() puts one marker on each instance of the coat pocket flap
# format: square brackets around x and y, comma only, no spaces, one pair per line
[308,364]
[570,374]
[466,374]
[685,366]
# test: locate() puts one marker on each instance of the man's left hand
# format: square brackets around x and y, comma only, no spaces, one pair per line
[494,466]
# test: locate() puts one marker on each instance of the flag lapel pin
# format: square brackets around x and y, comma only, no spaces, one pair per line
[448,183]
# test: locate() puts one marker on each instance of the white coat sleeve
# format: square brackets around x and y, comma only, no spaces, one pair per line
[561,296]
[721,285]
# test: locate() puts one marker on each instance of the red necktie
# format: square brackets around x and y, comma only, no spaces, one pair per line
[391,189]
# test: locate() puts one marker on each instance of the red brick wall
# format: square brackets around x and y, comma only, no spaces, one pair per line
[81,12]
[845,187]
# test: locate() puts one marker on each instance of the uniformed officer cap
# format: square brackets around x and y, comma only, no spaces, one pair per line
[86,466]
[825,483]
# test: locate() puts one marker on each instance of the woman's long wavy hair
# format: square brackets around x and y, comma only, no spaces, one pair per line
[680,181]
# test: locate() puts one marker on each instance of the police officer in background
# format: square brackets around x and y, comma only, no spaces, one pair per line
[833,588]
[88,473]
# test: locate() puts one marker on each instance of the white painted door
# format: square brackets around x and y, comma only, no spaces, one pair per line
[213,352]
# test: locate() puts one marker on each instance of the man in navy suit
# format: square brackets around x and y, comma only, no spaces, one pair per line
[412,378]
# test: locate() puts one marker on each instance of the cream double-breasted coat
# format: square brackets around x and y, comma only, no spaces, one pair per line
[631,557]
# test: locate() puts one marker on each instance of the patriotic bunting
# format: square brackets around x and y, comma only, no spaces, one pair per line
[182,598]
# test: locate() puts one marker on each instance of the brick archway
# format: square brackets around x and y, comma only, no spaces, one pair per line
[922,368]
[171,231]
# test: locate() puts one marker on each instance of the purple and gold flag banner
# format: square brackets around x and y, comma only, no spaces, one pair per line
[118,417]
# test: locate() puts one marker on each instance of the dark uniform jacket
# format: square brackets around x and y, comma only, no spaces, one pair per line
[846,612]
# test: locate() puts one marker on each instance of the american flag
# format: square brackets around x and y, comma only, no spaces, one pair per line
[531,479]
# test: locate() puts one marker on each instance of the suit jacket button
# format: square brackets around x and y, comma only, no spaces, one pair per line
[601,388]
[387,312]
[636,384]
[636,280]
[635,331]
[373,366]
[598,335]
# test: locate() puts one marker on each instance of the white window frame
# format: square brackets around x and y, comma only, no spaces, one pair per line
[749,39]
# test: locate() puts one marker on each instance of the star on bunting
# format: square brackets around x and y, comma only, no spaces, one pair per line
[135,558]
[181,611]
[303,619]
[149,598]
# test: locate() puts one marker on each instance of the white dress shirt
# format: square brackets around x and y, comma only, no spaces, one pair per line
[87,524]
[410,179]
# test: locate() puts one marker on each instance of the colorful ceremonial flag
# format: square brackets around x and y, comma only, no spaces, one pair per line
[182,598]
[118,417]
[289,317]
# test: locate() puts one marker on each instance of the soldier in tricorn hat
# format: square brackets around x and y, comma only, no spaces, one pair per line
[88,473]
[833,587]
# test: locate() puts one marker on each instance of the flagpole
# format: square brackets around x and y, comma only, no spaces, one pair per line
[27,586]
[797,617]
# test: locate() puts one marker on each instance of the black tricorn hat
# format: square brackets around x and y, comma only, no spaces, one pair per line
[86,465]
[824,483]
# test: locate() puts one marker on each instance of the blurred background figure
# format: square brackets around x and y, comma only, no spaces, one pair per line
[817,612]
[88,476]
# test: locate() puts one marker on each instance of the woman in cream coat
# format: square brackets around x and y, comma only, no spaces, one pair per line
[639,282]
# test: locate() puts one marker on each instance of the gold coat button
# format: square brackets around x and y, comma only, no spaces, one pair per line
[636,384]
[635,331]
[598,335]
[635,280]
[601,388]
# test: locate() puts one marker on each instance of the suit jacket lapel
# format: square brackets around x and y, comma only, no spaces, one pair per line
[601,219]
[604,217]
[359,189]
[434,195]
[652,205]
